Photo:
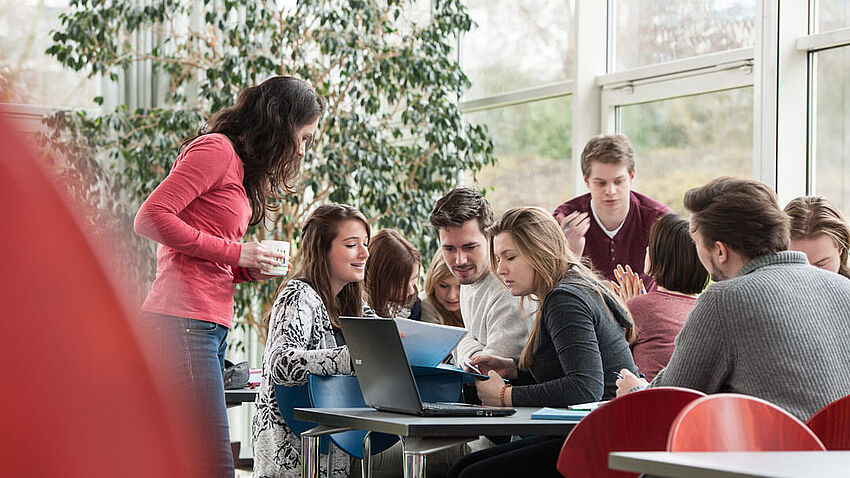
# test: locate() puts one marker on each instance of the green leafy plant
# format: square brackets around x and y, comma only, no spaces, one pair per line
[392,142]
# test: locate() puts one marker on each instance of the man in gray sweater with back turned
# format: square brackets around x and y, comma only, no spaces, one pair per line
[771,326]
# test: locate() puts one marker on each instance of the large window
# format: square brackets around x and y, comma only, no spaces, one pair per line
[684,142]
[517,44]
[657,31]
[832,126]
[520,60]
[832,14]
[27,74]
[532,142]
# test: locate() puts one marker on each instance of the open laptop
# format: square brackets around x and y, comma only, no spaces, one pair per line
[385,377]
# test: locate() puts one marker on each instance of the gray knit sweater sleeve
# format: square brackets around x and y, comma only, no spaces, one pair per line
[778,331]
[701,359]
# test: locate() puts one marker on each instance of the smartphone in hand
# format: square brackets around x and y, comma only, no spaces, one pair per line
[474,368]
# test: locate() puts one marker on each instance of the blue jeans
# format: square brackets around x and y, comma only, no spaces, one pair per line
[189,355]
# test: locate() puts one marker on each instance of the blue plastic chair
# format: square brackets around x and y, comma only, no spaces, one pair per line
[289,398]
[343,391]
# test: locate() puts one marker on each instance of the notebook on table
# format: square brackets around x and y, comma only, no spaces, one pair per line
[559,414]
[385,377]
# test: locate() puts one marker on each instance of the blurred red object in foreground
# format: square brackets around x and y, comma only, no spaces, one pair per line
[78,397]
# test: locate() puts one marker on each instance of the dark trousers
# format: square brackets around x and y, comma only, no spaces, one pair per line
[535,456]
[189,359]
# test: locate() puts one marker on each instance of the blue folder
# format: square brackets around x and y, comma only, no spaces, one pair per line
[559,414]
[427,344]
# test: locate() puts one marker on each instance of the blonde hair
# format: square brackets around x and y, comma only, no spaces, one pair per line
[439,271]
[812,216]
[539,240]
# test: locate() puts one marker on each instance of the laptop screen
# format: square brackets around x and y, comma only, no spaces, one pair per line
[381,364]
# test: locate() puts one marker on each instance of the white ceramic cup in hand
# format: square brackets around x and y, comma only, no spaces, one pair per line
[280,247]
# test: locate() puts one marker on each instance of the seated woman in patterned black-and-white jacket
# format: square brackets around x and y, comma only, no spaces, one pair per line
[304,332]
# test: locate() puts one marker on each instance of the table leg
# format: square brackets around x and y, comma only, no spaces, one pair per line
[310,452]
[309,456]
[416,449]
[414,465]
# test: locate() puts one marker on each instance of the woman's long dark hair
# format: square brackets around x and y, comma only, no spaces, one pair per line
[263,127]
[392,259]
[317,235]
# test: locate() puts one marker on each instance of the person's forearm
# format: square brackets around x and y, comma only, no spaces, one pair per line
[467,348]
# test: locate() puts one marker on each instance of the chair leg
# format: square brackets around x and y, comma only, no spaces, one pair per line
[330,459]
[366,466]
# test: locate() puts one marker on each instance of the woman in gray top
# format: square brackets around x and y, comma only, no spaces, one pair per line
[576,345]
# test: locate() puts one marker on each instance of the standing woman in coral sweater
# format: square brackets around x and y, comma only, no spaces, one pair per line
[199,213]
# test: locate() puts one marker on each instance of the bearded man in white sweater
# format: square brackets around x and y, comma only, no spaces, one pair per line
[494,322]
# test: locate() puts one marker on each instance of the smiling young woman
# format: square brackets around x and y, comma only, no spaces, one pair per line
[304,332]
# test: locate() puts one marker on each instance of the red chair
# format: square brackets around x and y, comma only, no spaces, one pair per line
[79,398]
[733,422]
[638,421]
[832,424]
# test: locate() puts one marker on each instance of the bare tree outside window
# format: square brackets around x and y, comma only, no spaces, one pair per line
[657,31]
[27,74]
[684,142]
[517,45]
[832,126]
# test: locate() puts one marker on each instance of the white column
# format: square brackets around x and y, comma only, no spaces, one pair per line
[591,43]
[780,116]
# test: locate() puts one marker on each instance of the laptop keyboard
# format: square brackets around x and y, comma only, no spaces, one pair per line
[444,406]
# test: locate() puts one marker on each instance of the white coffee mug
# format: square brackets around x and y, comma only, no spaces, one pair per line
[281,247]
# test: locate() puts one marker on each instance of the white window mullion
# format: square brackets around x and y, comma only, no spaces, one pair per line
[591,40]
[780,105]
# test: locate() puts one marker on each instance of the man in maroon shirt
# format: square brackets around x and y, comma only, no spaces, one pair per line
[610,224]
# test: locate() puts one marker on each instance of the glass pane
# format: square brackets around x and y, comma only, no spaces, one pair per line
[533,144]
[517,45]
[685,142]
[27,74]
[656,31]
[832,142]
[832,14]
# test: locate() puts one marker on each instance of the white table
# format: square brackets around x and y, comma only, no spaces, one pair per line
[421,435]
[774,464]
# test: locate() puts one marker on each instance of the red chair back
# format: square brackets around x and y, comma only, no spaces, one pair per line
[733,422]
[832,424]
[79,397]
[638,421]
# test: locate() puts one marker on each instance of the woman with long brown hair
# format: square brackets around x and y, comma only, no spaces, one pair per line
[573,352]
[304,331]
[217,187]
[391,275]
